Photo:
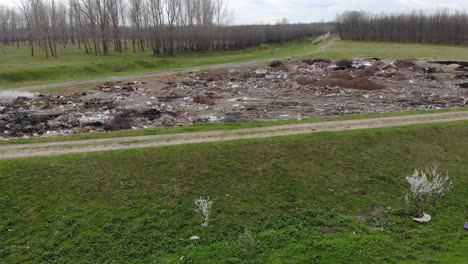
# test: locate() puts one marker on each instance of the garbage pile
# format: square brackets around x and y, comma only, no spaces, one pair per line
[281,90]
[108,107]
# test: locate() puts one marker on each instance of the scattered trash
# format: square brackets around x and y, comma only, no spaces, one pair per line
[362,64]
[452,62]
[9,95]
[260,73]
[194,238]
[426,218]
[310,88]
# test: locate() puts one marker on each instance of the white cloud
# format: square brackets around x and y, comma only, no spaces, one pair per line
[255,11]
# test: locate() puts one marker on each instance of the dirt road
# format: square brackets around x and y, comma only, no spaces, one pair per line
[165,72]
[92,145]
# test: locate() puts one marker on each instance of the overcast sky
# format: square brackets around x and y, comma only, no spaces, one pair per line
[270,11]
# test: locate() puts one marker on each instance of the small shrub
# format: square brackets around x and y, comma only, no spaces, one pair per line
[426,186]
[204,207]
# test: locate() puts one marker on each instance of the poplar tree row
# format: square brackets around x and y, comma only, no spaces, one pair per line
[162,26]
[441,27]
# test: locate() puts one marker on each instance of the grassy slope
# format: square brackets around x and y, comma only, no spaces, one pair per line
[300,197]
[17,68]
[350,49]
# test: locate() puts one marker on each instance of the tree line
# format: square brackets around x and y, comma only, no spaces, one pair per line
[162,26]
[441,27]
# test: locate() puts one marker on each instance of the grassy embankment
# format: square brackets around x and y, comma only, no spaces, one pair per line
[18,69]
[327,197]
[388,50]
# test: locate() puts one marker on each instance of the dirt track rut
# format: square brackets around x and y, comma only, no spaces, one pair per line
[107,144]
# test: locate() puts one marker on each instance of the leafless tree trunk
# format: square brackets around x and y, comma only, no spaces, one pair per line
[439,27]
[164,26]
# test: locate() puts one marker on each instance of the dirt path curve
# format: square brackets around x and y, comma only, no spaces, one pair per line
[92,145]
[164,72]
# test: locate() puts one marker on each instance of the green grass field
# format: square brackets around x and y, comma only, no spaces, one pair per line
[385,50]
[319,198]
[18,69]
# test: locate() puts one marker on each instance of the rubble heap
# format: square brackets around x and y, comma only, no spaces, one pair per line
[295,89]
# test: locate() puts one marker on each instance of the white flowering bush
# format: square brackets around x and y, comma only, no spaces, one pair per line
[426,186]
[204,207]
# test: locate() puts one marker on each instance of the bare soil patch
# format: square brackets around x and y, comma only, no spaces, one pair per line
[283,90]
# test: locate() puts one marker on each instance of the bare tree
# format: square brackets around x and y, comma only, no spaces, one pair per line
[164,26]
[439,27]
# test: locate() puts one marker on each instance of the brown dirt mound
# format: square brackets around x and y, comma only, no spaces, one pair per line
[119,122]
[212,76]
[317,60]
[276,63]
[344,63]
[359,83]
[199,99]
[404,64]
[341,76]
[343,80]
[304,80]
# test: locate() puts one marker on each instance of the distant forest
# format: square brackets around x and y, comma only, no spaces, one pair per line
[442,27]
[178,26]
[162,26]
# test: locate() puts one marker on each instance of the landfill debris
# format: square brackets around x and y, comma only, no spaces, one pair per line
[275,64]
[424,219]
[9,95]
[312,88]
